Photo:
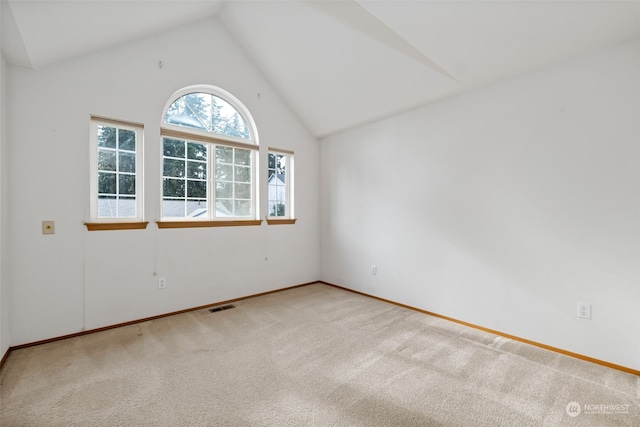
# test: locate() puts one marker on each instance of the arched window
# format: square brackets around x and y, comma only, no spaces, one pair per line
[209,150]
[209,113]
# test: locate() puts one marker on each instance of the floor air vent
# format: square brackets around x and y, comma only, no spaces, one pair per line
[224,307]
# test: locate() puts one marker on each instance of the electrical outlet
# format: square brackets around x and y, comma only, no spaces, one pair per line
[374,270]
[162,282]
[584,310]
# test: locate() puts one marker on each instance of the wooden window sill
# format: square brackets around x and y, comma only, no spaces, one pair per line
[101,226]
[194,224]
[276,221]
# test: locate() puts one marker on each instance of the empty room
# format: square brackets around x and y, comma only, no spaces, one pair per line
[319,213]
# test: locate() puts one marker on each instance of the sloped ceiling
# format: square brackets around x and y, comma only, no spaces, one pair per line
[37,33]
[341,63]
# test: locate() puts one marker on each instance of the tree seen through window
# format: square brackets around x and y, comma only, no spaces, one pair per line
[207,112]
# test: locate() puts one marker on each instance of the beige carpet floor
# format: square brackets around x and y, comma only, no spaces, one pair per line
[309,356]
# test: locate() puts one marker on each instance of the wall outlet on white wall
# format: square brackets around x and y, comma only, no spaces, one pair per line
[162,282]
[374,269]
[584,310]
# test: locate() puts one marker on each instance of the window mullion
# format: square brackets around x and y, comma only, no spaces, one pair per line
[287,187]
[117,150]
[184,179]
[139,173]
[211,181]
[254,184]
[233,182]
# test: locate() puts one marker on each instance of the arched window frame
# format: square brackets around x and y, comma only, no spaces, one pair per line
[226,96]
[174,131]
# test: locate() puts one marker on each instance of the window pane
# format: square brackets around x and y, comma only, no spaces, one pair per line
[243,157]
[173,167]
[281,168]
[126,139]
[173,187]
[243,174]
[277,179]
[190,111]
[224,155]
[224,190]
[196,151]
[197,208]
[234,192]
[173,208]
[107,207]
[106,136]
[242,208]
[126,207]
[196,189]
[127,162]
[243,191]
[276,208]
[106,160]
[209,113]
[277,192]
[227,120]
[127,184]
[224,172]
[198,111]
[277,165]
[197,170]
[224,208]
[173,148]
[106,183]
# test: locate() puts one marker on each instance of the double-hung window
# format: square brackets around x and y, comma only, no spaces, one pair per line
[279,184]
[209,160]
[116,172]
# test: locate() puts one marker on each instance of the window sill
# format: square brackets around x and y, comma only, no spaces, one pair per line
[283,221]
[194,224]
[101,226]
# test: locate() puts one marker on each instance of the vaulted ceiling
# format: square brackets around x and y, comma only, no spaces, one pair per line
[346,62]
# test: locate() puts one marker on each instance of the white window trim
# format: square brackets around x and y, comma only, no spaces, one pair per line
[138,128]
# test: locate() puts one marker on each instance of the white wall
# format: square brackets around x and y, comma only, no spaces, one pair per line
[502,207]
[76,279]
[4,283]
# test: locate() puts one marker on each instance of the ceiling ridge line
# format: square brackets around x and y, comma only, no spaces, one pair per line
[360,19]
[9,17]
